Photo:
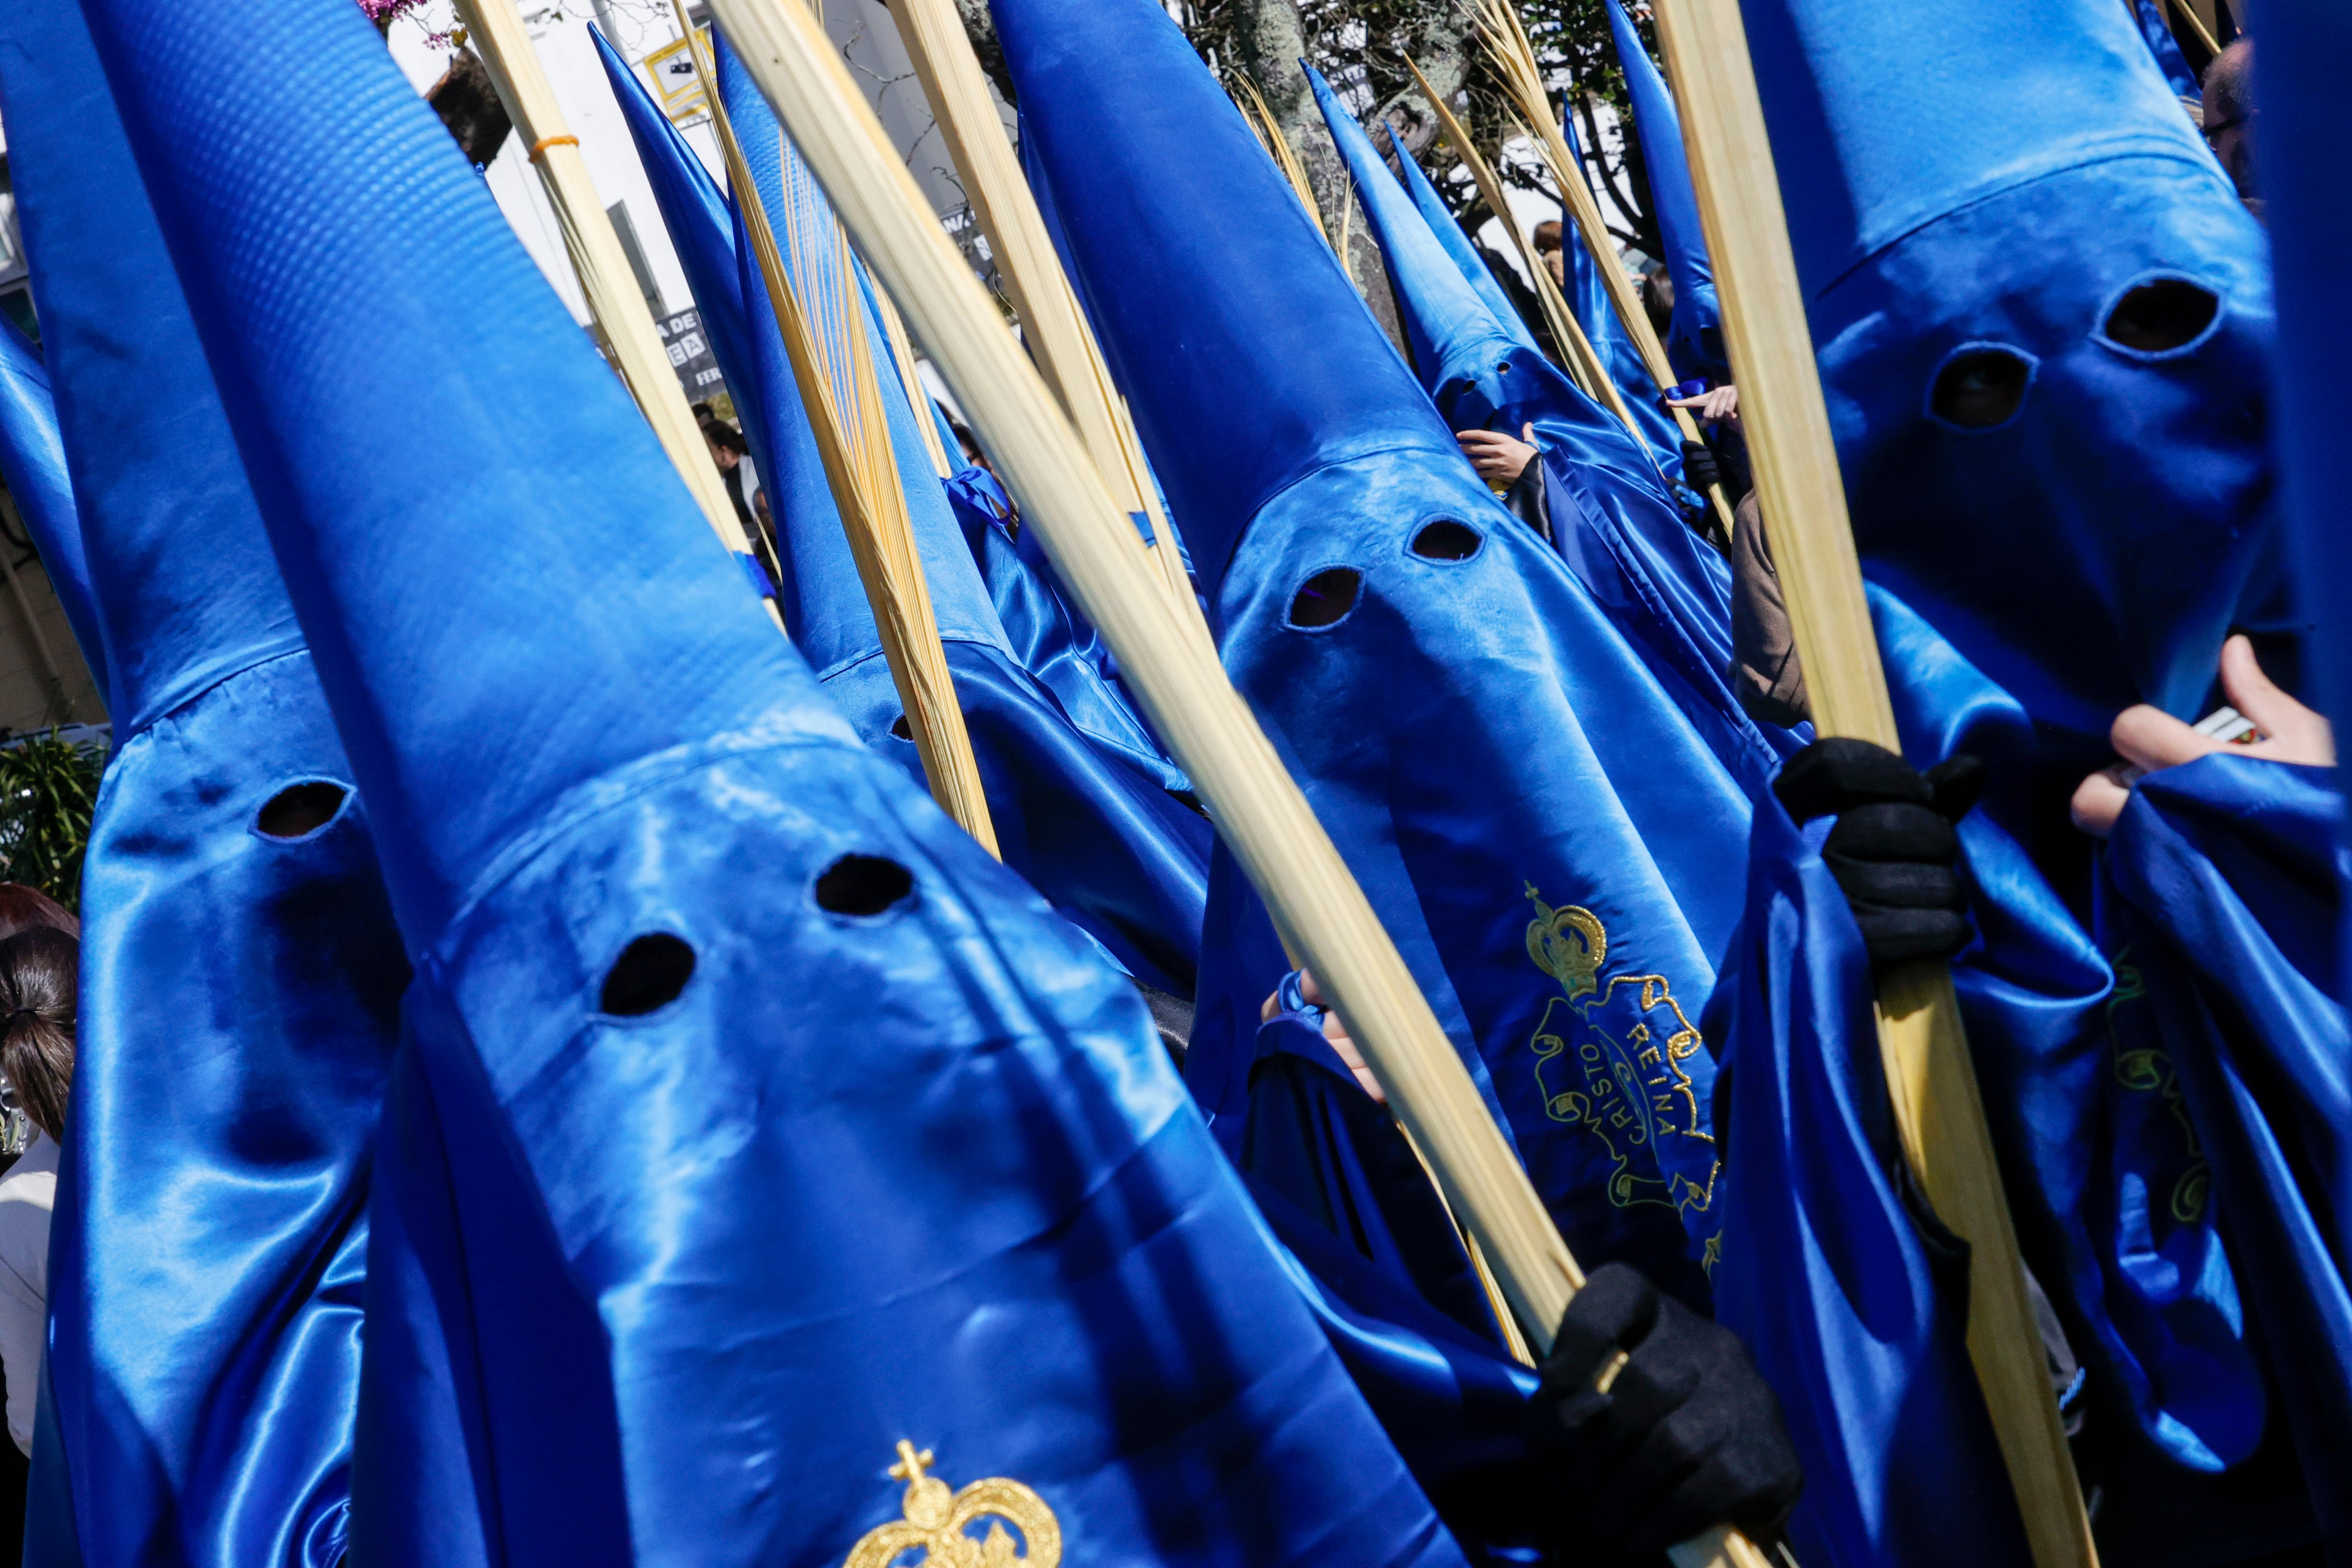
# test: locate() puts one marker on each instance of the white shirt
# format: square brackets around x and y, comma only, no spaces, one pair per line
[26,1192]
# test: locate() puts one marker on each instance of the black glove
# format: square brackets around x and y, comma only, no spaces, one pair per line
[1687,1436]
[1699,468]
[1893,850]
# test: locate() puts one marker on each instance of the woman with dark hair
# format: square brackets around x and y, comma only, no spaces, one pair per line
[38,968]
[22,908]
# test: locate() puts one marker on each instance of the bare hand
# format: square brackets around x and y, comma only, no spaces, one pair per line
[1716,405]
[1498,459]
[2148,738]
[1333,1030]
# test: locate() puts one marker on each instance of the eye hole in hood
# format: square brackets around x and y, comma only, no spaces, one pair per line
[1325,599]
[1980,386]
[2161,316]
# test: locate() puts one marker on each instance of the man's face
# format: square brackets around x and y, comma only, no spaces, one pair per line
[1554,261]
[722,455]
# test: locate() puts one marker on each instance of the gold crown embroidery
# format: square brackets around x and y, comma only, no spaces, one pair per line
[938,1520]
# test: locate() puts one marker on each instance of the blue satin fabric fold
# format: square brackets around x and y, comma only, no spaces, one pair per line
[2227,880]
[1085,816]
[1858,1326]
[2094,1158]
[33,462]
[1049,637]
[1454,1403]
[238,991]
[1695,333]
[239,1003]
[2311,227]
[1314,1135]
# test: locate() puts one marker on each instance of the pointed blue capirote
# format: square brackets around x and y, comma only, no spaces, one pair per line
[1535,817]
[692,1226]
[240,974]
[33,462]
[1694,335]
[1456,245]
[2042,319]
[701,222]
[1596,312]
[1328,397]
[1078,794]
[1458,342]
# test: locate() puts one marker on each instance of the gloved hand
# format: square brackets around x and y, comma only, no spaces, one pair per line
[1893,850]
[1683,1436]
[1699,468]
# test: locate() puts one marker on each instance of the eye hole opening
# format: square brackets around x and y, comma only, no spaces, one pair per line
[863,886]
[901,727]
[647,976]
[1325,599]
[2161,315]
[302,809]
[1979,388]
[1446,540]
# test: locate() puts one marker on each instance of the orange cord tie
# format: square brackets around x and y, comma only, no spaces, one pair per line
[544,142]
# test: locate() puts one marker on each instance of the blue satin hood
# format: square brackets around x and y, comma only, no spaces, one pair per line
[33,462]
[1995,179]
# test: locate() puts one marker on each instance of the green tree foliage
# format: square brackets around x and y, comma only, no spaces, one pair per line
[1361,45]
[48,788]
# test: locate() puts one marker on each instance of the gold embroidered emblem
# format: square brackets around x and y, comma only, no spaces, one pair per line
[938,1520]
[2146,1069]
[1609,1058]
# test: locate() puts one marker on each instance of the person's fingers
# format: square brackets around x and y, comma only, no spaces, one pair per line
[1479,437]
[2297,734]
[1269,1008]
[1528,432]
[2098,801]
[1337,1033]
[2155,738]
[1309,989]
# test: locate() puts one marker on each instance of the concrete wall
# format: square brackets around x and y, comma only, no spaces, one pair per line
[31,699]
